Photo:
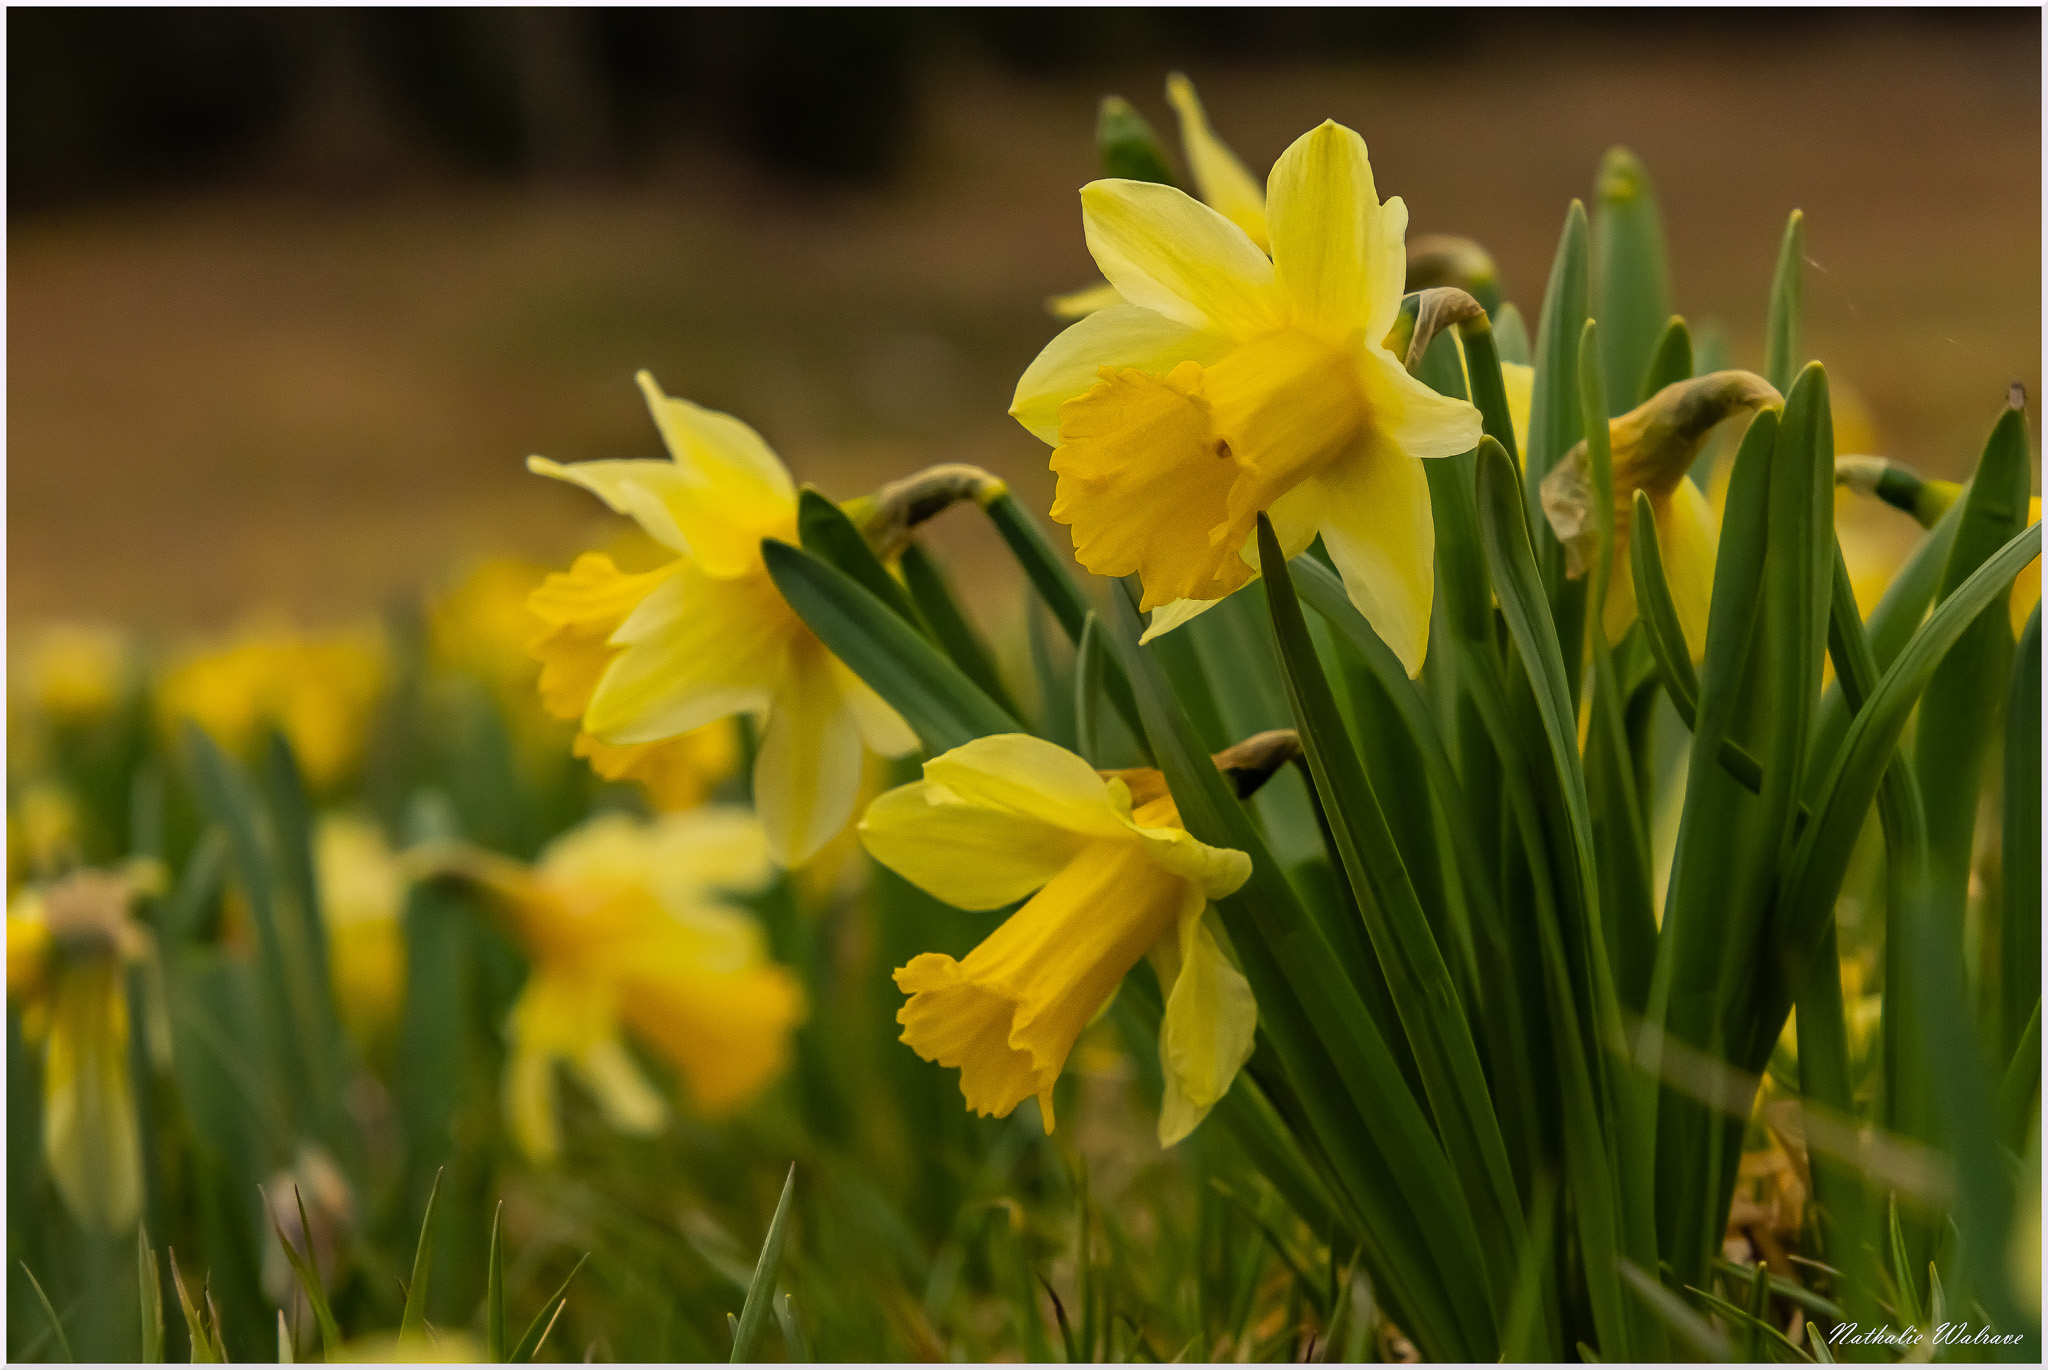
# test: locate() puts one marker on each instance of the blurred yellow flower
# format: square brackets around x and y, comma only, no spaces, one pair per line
[650,657]
[1653,447]
[42,831]
[74,672]
[1232,382]
[318,690]
[68,948]
[362,900]
[628,925]
[1110,875]
[482,625]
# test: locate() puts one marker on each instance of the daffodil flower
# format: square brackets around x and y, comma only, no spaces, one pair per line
[362,900]
[68,949]
[1653,447]
[629,928]
[649,657]
[318,690]
[1109,875]
[1231,382]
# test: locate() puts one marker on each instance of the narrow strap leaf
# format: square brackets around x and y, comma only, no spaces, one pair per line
[413,1321]
[746,1339]
[544,1321]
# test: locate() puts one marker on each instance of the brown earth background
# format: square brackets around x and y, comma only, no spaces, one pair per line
[307,396]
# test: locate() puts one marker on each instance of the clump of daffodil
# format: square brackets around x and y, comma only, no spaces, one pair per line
[1238,378]
[1904,488]
[1653,447]
[1109,875]
[362,901]
[664,654]
[68,950]
[629,926]
[74,673]
[319,690]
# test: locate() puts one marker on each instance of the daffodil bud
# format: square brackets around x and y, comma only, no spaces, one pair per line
[1436,309]
[887,517]
[1128,147]
[1251,763]
[1654,445]
[1898,485]
[1442,259]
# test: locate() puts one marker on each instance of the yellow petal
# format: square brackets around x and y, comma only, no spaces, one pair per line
[1214,872]
[1206,1034]
[727,1032]
[676,773]
[1120,336]
[717,848]
[1687,536]
[2026,593]
[1146,489]
[1519,381]
[881,727]
[28,947]
[1167,617]
[1219,176]
[1167,251]
[733,490]
[1008,1015]
[1337,254]
[1079,304]
[582,607]
[1031,778]
[807,773]
[1373,509]
[645,490]
[1409,416]
[968,855]
[696,649]
[531,1105]
[629,1104]
[89,1137]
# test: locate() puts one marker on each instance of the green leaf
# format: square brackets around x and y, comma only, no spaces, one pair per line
[1127,146]
[308,1275]
[544,1321]
[1671,362]
[1423,993]
[494,1293]
[829,535]
[413,1322]
[753,1323]
[205,1343]
[1631,282]
[1511,335]
[793,1339]
[940,703]
[2019,955]
[951,629]
[1049,574]
[1781,331]
[284,1341]
[1554,419]
[1420,1244]
[1687,1327]
[50,1318]
[1087,685]
[149,1276]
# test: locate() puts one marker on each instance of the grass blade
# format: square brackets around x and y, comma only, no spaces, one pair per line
[746,1340]
[1688,1328]
[149,1276]
[544,1321]
[56,1324]
[936,699]
[308,1274]
[413,1322]
[205,1349]
[494,1292]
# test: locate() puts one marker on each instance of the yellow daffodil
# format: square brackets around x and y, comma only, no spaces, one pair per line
[68,949]
[655,656]
[1232,382]
[74,672]
[628,926]
[42,831]
[1653,447]
[320,691]
[1110,875]
[362,899]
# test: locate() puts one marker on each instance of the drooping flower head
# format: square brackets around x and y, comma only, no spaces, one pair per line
[657,657]
[1110,876]
[630,927]
[68,950]
[1233,380]
[1653,447]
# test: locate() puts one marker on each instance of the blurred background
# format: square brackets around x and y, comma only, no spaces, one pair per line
[292,294]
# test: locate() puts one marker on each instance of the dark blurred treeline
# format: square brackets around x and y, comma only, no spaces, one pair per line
[107,102]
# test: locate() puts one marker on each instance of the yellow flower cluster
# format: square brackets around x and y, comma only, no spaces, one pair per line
[320,691]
